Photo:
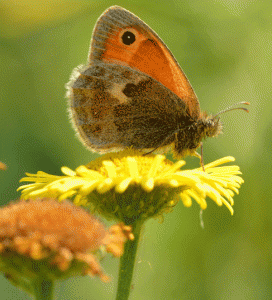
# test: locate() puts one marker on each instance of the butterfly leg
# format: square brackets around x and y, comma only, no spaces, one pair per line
[200,156]
[149,152]
[202,159]
[163,143]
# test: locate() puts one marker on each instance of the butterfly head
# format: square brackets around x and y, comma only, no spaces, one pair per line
[209,126]
[212,125]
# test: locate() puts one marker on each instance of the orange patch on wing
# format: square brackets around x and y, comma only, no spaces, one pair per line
[149,56]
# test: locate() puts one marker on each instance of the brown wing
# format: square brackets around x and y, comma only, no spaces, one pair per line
[114,106]
[122,38]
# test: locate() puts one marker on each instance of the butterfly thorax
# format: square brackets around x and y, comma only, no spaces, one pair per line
[189,138]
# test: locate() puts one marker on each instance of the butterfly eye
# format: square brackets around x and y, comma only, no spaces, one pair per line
[128,38]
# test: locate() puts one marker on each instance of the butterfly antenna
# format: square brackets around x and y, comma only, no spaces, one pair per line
[233,108]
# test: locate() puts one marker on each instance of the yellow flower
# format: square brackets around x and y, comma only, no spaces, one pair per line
[128,186]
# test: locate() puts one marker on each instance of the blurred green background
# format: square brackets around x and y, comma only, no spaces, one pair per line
[224,47]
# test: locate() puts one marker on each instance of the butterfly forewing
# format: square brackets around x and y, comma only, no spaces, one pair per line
[147,53]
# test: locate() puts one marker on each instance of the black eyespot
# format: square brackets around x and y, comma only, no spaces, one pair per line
[130,90]
[128,38]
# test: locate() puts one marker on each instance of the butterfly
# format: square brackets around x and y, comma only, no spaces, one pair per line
[133,93]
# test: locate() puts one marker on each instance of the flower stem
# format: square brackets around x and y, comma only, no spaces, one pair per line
[127,262]
[43,288]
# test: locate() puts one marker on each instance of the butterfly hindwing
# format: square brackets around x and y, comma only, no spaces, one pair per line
[115,106]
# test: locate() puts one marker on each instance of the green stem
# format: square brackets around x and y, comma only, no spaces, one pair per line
[127,262]
[43,288]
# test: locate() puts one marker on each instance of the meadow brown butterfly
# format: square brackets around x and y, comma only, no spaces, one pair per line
[133,92]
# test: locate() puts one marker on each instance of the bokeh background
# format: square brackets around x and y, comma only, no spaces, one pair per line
[224,47]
